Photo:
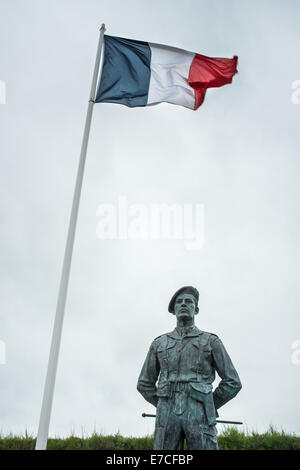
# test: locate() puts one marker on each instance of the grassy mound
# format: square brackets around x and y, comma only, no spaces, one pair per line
[229,439]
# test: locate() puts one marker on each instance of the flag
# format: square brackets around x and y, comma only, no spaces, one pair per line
[138,73]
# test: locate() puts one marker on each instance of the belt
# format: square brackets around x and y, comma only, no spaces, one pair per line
[179,386]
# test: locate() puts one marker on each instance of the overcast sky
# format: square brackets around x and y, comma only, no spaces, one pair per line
[238,155]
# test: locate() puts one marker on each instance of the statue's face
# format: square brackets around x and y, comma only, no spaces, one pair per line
[185,307]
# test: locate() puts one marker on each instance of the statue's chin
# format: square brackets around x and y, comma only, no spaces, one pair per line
[184,316]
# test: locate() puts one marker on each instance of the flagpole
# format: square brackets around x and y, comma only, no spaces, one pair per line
[42,437]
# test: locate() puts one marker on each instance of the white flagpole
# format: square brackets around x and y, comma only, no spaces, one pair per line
[42,437]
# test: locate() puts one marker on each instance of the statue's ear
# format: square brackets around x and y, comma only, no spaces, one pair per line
[196,310]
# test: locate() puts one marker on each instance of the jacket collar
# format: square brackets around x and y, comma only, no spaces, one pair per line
[192,333]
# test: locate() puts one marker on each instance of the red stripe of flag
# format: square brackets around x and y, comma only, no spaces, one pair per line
[208,72]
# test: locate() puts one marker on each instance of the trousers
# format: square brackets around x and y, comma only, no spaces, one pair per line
[182,417]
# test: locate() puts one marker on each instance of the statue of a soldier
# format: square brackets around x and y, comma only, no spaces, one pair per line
[184,362]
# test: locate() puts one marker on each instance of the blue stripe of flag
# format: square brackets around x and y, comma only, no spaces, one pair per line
[125,75]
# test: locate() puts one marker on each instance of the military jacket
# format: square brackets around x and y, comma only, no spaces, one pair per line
[194,358]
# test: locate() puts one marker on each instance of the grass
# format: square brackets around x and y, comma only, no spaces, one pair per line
[232,439]
[229,439]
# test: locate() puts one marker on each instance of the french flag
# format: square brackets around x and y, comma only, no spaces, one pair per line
[138,73]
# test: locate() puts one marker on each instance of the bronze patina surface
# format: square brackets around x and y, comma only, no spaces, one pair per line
[177,378]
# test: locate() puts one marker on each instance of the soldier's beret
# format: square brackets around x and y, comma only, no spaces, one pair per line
[188,290]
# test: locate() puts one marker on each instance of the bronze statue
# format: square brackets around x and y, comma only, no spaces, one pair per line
[184,362]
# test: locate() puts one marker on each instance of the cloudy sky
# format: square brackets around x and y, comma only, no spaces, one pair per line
[238,156]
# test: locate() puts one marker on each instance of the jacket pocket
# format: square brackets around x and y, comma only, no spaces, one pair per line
[202,392]
[197,390]
[165,355]
[165,347]
[203,357]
